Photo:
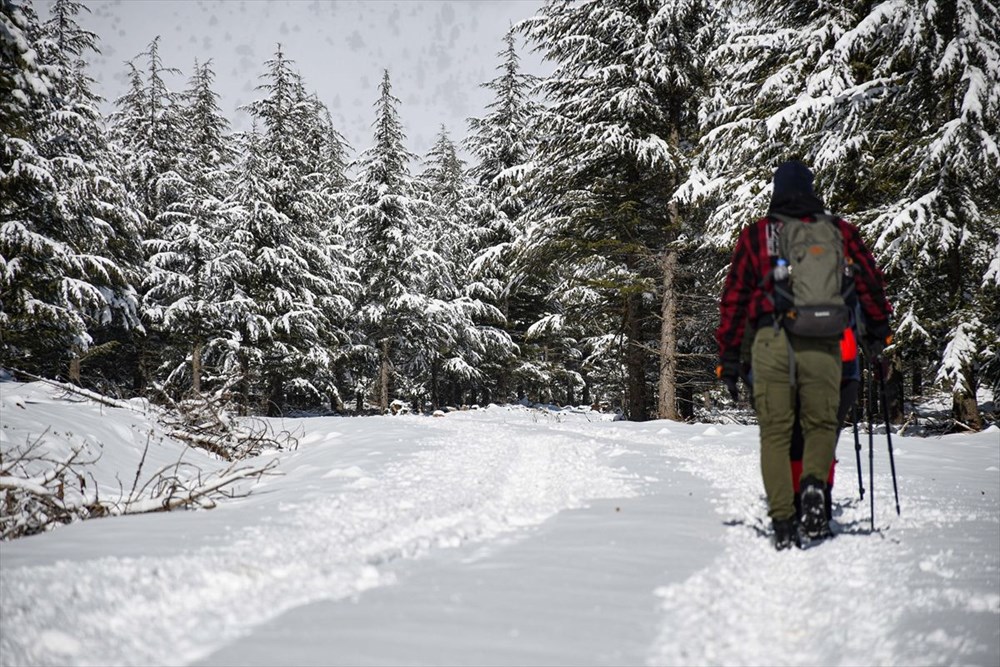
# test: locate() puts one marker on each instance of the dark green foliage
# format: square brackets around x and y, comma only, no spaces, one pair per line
[540,268]
[623,98]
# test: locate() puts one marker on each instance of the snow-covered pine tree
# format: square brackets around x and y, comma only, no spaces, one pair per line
[23,80]
[447,214]
[389,256]
[68,230]
[683,29]
[92,191]
[190,278]
[609,159]
[502,143]
[936,205]
[147,133]
[760,110]
[209,150]
[254,223]
[463,333]
[147,130]
[329,179]
[327,148]
[442,220]
[503,140]
[895,106]
[327,184]
[294,290]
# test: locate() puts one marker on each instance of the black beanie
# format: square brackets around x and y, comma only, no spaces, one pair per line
[791,178]
[793,190]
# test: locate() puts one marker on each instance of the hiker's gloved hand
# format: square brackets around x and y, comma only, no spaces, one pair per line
[728,371]
[877,336]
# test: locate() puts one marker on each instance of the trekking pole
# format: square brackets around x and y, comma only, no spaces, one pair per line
[871,444]
[888,433]
[857,450]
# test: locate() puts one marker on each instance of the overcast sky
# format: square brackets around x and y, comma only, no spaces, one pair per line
[437,53]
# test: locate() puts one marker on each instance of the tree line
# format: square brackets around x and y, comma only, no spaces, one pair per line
[576,259]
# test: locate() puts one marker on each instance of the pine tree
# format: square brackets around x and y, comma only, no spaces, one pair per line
[328,179]
[463,338]
[765,105]
[896,108]
[389,254]
[503,142]
[24,81]
[190,277]
[939,229]
[293,290]
[68,243]
[147,138]
[326,147]
[147,130]
[448,213]
[621,102]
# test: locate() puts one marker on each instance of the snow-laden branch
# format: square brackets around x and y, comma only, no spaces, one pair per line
[37,493]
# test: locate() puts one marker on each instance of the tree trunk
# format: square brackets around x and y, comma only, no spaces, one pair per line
[435,388]
[685,393]
[139,374]
[667,381]
[275,397]
[244,384]
[917,386]
[667,406]
[383,379]
[966,411]
[895,387]
[336,402]
[635,360]
[196,368]
[74,368]
[965,407]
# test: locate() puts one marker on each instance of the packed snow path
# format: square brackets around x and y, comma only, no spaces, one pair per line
[517,536]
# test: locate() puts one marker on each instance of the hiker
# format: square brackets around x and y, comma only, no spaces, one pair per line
[784,289]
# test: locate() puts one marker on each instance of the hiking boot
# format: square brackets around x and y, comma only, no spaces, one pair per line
[785,533]
[827,504]
[815,525]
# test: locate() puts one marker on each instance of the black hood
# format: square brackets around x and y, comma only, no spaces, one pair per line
[793,191]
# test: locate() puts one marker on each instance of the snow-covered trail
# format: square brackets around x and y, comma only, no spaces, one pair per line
[399,489]
[577,589]
[514,536]
[923,589]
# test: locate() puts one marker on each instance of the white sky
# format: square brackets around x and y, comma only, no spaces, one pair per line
[437,53]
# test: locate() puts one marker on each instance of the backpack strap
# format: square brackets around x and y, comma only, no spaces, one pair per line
[778,294]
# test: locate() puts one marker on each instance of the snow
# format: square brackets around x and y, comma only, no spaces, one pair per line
[504,535]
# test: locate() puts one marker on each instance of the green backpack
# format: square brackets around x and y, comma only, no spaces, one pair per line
[811,290]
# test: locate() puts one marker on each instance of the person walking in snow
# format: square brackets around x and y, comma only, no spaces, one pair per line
[784,288]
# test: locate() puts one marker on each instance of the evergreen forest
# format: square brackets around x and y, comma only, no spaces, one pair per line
[569,247]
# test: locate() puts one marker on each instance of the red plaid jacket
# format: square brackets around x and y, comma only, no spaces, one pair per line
[745,295]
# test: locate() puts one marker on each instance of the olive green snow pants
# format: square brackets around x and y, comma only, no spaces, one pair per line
[817,370]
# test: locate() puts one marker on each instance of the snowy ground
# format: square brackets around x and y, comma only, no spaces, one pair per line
[506,536]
